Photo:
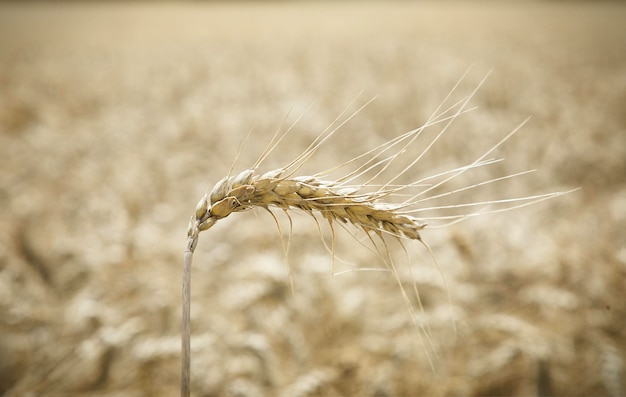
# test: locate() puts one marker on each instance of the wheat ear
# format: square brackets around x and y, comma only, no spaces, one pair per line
[308,193]
[367,205]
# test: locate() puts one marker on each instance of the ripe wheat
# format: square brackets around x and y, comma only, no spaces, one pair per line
[372,206]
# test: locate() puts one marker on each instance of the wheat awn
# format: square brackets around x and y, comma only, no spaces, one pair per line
[345,200]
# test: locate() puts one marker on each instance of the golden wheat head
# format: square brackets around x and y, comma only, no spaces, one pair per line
[366,205]
[309,194]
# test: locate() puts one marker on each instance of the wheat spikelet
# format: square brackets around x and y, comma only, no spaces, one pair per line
[379,207]
[310,194]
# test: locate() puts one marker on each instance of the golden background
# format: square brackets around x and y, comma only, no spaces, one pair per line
[115,118]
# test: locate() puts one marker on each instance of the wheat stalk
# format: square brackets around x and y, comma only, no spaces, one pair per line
[370,206]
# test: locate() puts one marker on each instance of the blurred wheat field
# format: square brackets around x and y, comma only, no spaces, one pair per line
[115,119]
